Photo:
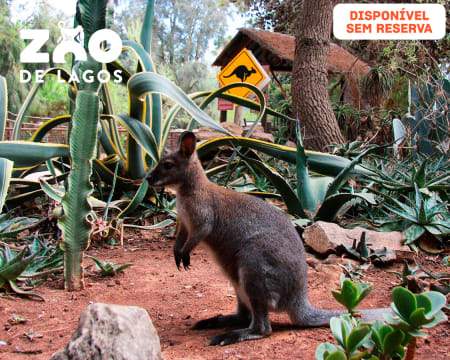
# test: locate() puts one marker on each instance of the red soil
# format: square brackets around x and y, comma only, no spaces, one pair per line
[175,300]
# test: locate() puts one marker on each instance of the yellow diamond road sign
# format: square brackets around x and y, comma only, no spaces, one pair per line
[243,68]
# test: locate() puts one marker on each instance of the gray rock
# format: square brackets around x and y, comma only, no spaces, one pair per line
[324,238]
[112,332]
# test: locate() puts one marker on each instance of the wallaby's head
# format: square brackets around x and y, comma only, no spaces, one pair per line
[179,166]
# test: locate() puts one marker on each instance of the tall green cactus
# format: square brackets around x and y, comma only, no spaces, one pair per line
[83,148]
[86,129]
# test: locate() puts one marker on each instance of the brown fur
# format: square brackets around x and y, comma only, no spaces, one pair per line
[256,245]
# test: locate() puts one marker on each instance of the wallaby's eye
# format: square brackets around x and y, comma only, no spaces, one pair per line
[167,165]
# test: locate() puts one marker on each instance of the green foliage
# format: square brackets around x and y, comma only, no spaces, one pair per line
[421,214]
[381,341]
[377,84]
[415,312]
[352,293]
[12,265]
[415,196]
[350,335]
[389,343]
[108,268]
[429,125]
[317,197]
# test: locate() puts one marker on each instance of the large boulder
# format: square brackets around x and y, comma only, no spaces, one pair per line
[112,332]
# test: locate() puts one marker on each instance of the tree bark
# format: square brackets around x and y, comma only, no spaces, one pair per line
[310,99]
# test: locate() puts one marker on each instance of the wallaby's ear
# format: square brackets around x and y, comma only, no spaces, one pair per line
[187,143]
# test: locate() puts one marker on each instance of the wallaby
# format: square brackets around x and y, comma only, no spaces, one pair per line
[241,72]
[256,245]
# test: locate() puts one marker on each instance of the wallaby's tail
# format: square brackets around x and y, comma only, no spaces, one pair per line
[307,315]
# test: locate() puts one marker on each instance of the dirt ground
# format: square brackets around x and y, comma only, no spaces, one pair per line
[176,299]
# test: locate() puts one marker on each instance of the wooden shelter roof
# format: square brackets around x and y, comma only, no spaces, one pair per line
[277,50]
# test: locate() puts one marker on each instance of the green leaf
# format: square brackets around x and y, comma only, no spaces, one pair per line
[142,134]
[424,302]
[392,341]
[324,349]
[146,31]
[16,266]
[122,267]
[348,295]
[437,299]
[12,227]
[320,163]
[287,193]
[145,83]
[332,204]
[3,106]
[51,191]
[319,186]
[404,301]
[364,290]
[337,355]
[337,330]
[48,125]
[439,317]
[6,167]
[159,225]
[356,337]
[417,319]
[412,233]
[136,201]
[63,73]
[19,291]
[26,154]
[346,172]
[307,197]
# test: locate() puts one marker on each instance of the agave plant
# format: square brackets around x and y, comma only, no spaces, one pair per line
[428,174]
[108,268]
[12,265]
[317,197]
[423,216]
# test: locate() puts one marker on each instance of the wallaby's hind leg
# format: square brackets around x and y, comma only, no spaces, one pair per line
[259,327]
[242,317]
[250,288]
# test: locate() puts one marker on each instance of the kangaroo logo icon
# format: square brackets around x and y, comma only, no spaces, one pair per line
[241,72]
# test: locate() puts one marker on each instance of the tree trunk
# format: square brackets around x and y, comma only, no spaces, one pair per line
[238,115]
[310,99]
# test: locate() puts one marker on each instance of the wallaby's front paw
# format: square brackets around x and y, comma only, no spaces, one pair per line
[177,256]
[182,258]
[186,258]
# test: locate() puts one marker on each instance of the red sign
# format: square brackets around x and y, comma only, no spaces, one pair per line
[224,105]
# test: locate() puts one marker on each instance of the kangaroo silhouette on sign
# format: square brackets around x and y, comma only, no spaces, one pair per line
[241,72]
